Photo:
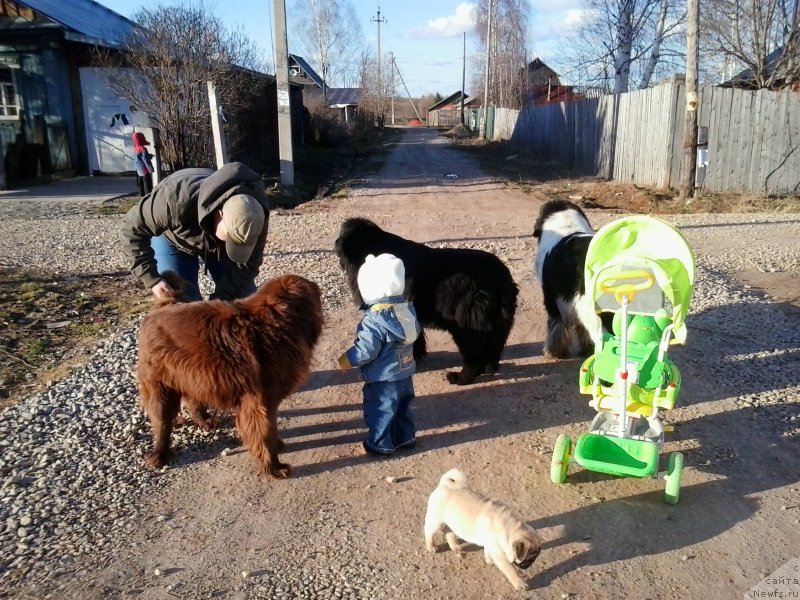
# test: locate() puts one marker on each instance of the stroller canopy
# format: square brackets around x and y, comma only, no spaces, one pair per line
[642,243]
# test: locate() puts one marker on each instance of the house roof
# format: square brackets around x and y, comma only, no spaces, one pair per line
[449,100]
[539,72]
[84,21]
[309,71]
[343,96]
[746,78]
[338,97]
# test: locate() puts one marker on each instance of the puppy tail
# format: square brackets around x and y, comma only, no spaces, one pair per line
[454,479]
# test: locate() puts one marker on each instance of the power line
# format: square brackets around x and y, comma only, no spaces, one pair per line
[271,38]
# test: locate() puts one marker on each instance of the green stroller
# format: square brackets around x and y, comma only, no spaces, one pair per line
[642,270]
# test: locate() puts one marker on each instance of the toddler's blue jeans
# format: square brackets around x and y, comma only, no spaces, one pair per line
[387,413]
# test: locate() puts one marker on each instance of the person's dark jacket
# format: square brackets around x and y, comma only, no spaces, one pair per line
[181,209]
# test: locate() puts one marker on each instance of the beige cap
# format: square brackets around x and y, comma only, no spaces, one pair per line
[243,217]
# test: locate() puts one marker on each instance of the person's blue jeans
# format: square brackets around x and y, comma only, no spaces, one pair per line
[169,258]
[387,413]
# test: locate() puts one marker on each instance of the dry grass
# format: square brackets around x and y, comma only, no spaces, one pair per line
[48,324]
[555,181]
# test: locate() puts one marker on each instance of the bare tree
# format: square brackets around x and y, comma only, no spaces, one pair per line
[507,50]
[759,36]
[328,34]
[625,41]
[163,71]
[376,90]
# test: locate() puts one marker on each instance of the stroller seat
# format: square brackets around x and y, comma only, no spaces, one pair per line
[649,264]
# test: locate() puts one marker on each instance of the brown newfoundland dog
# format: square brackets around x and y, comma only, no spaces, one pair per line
[242,357]
[468,293]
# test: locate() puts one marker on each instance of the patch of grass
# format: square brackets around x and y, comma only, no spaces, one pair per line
[32,351]
[29,290]
[116,206]
[83,307]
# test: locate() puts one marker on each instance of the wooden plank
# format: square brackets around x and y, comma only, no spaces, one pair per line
[759,118]
[677,135]
[745,125]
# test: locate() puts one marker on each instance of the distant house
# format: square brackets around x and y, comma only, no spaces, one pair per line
[747,80]
[537,73]
[45,44]
[316,89]
[447,112]
[301,73]
[541,85]
[58,115]
[345,100]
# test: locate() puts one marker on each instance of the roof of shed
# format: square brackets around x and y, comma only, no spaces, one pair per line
[310,72]
[85,21]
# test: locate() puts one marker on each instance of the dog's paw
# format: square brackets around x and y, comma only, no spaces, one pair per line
[460,378]
[556,354]
[156,460]
[520,586]
[279,470]
[207,424]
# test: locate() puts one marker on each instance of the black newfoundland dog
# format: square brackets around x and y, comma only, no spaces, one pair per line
[468,293]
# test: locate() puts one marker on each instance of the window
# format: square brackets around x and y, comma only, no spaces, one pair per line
[9,104]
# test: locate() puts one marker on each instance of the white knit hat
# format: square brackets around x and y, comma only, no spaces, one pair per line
[381,276]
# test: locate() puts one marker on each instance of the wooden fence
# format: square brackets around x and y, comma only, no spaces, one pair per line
[753,138]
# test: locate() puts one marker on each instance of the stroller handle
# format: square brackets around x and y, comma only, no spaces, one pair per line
[618,284]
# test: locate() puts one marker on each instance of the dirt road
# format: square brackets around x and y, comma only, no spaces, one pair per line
[340,529]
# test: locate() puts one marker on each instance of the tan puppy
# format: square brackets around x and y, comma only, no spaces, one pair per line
[506,541]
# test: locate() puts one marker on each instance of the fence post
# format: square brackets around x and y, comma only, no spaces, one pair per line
[690,124]
[220,150]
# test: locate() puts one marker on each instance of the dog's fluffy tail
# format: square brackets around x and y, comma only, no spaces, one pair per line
[454,479]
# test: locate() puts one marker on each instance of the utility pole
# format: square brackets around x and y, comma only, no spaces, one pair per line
[690,120]
[407,92]
[463,75]
[486,77]
[379,20]
[284,105]
[391,86]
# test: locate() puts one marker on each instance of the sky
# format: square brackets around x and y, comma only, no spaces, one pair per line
[425,36]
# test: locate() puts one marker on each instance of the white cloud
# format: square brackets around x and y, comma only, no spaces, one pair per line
[463,19]
[553,7]
[575,16]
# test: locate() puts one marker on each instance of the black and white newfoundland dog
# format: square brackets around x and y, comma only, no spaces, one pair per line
[564,234]
[468,293]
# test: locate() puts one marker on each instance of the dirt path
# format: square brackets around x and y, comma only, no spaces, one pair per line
[339,529]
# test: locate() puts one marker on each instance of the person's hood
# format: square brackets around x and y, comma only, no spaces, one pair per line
[231,179]
[400,322]
[139,140]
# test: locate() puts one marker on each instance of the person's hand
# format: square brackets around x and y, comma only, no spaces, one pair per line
[163,291]
[344,364]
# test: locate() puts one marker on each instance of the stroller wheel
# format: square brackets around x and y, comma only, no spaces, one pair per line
[673,477]
[560,461]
